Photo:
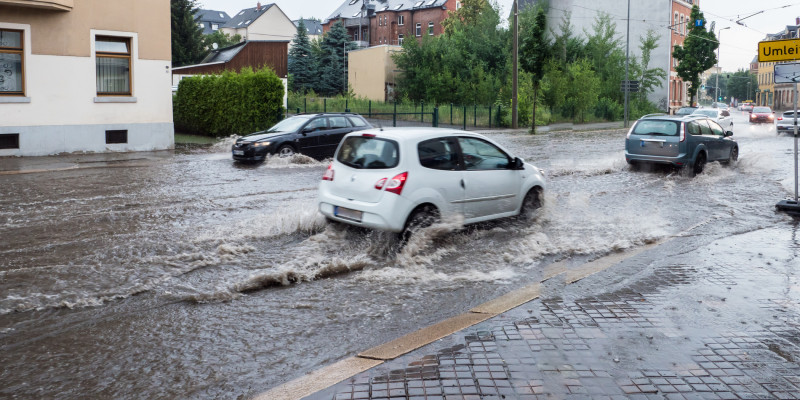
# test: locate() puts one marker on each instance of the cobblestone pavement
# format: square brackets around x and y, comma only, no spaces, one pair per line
[700,322]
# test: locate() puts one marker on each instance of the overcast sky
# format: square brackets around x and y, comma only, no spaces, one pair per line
[738,44]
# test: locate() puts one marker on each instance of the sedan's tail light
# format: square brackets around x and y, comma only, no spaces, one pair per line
[780,118]
[328,173]
[394,185]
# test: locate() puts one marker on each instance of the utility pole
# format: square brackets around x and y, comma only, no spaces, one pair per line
[716,85]
[515,73]
[627,54]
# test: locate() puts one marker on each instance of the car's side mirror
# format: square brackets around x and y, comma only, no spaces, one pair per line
[518,164]
[307,130]
[728,133]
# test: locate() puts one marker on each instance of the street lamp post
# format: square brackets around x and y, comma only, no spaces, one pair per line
[716,85]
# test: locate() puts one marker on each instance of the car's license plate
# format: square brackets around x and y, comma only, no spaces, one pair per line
[238,152]
[347,213]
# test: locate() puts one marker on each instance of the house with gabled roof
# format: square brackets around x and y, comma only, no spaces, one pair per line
[262,22]
[313,27]
[390,22]
[211,20]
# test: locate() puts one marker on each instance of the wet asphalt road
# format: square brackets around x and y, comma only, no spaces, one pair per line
[188,276]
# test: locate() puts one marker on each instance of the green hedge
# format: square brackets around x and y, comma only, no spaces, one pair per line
[230,103]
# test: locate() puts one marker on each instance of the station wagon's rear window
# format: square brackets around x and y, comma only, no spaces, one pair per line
[366,152]
[656,127]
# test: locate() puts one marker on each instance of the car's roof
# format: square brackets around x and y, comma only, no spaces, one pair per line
[414,134]
[686,117]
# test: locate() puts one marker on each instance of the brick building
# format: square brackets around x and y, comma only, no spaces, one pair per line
[681,18]
[390,22]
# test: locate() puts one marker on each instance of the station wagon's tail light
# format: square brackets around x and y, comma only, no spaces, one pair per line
[328,173]
[780,118]
[394,185]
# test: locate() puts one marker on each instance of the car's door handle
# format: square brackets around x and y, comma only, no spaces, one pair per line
[462,184]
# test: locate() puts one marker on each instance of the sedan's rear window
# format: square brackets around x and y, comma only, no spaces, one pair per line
[366,152]
[656,127]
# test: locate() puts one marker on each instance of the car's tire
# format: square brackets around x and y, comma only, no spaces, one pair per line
[421,218]
[734,156]
[699,163]
[533,201]
[286,151]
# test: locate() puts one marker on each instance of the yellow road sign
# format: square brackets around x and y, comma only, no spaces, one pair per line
[779,50]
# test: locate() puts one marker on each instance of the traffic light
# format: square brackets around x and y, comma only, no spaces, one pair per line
[720,98]
[702,87]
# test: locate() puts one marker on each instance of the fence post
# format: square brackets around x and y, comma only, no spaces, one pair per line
[346,105]
[422,111]
[475,116]
[394,115]
[465,117]
[325,105]
[435,117]
[498,116]
[305,105]
[370,109]
[451,113]
[298,110]
[490,116]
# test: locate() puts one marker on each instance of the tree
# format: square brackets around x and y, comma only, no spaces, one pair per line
[302,66]
[606,52]
[469,14]
[187,36]
[741,85]
[534,50]
[567,47]
[333,70]
[650,78]
[697,54]
[221,39]
[583,89]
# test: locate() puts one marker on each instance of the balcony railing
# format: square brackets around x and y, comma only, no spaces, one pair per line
[62,5]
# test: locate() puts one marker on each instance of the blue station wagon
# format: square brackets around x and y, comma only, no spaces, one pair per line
[688,141]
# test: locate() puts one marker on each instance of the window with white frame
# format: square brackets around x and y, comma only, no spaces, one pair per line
[419,29]
[113,59]
[400,39]
[430,28]
[682,27]
[401,19]
[11,62]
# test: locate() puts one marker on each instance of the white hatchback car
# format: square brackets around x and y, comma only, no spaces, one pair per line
[401,178]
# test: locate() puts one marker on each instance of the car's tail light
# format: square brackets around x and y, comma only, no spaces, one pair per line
[394,185]
[369,135]
[683,131]
[780,118]
[328,173]
[771,116]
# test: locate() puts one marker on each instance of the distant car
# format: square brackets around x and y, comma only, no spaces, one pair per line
[747,107]
[720,115]
[761,115]
[315,135]
[722,106]
[785,122]
[682,141]
[685,110]
[399,179]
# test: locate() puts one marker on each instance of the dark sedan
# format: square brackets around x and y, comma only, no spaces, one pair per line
[315,135]
[762,115]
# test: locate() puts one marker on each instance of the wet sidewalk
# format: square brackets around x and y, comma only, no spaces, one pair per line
[64,162]
[676,320]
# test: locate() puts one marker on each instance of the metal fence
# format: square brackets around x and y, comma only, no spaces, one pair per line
[404,113]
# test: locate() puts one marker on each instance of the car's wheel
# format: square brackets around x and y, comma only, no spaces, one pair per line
[734,156]
[422,217]
[699,163]
[533,201]
[286,151]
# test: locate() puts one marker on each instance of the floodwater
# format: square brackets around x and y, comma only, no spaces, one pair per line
[189,276]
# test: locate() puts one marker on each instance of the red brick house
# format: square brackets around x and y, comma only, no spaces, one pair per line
[391,21]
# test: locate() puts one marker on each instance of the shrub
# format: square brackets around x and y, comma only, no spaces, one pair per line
[609,109]
[230,103]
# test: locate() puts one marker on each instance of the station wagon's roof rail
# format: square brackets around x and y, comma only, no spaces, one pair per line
[653,115]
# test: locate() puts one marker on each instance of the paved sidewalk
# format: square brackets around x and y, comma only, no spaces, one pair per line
[62,162]
[707,322]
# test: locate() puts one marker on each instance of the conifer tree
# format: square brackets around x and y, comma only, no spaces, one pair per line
[187,36]
[332,70]
[302,67]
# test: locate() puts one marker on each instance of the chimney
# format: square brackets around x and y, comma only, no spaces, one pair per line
[258,6]
[797,21]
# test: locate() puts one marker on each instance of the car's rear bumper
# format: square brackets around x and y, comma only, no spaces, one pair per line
[677,161]
[389,214]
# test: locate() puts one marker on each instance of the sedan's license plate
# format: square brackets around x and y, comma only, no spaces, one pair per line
[347,213]
[238,152]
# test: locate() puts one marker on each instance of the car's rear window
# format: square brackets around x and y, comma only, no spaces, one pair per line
[761,109]
[357,121]
[656,127]
[790,114]
[710,113]
[365,152]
